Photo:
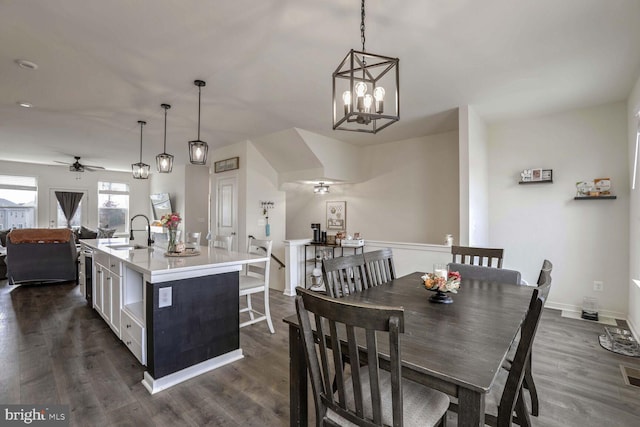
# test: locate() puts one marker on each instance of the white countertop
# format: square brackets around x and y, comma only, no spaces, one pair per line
[153,262]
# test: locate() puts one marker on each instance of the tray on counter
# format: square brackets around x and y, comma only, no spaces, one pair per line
[181,254]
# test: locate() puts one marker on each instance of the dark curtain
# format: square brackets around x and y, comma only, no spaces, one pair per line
[69,203]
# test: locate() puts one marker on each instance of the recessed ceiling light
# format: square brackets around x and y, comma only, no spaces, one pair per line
[25,104]
[23,63]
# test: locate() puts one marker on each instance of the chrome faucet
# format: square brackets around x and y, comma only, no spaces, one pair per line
[131,230]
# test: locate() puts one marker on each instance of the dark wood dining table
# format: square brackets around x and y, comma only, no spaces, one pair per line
[456,348]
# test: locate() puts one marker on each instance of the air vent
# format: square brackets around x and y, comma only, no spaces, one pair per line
[631,376]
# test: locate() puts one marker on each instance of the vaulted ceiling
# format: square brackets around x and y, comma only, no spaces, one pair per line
[103,65]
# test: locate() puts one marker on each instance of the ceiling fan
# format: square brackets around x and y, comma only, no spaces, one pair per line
[79,167]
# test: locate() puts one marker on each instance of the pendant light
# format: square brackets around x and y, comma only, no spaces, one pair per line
[164,161]
[140,170]
[198,149]
[359,87]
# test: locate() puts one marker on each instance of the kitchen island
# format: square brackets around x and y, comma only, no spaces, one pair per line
[179,316]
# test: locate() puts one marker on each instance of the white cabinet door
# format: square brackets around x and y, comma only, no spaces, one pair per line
[106,295]
[114,315]
[98,281]
[81,275]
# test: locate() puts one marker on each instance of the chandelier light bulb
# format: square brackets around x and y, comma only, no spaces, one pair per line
[361,88]
[368,100]
[346,98]
[199,153]
[378,94]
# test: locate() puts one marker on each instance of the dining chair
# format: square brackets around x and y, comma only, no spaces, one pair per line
[370,396]
[477,256]
[544,283]
[512,399]
[220,241]
[379,266]
[255,279]
[344,275]
[489,274]
[192,240]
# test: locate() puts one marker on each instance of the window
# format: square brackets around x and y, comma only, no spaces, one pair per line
[57,218]
[76,220]
[18,201]
[113,206]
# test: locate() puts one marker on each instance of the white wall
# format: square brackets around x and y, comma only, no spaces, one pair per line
[585,240]
[474,179]
[172,183]
[58,177]
[633,105]
[196,190]
[262,182]
[412,195]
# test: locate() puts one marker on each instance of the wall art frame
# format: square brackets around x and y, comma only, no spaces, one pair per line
[226,165]
[337,215]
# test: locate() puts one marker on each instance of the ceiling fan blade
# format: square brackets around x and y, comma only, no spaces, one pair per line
[92,167]
[62,163]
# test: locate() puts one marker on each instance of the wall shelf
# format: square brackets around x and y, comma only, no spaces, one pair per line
[595,197]
[546,181]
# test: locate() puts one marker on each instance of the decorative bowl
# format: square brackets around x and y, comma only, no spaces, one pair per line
[442,286]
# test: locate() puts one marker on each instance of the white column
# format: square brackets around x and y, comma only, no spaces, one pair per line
[295,265]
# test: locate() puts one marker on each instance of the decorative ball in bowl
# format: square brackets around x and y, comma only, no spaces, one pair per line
[442,286]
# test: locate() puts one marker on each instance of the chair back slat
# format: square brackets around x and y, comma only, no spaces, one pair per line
[344,275]
[379,266]
[353,321]
[477,256]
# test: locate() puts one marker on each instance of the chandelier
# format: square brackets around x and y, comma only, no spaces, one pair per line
[140,170]
[359,90]
[164,161]
[321,188]
[197,148]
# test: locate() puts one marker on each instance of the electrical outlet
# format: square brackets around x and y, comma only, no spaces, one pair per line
[598,286]
[164,297]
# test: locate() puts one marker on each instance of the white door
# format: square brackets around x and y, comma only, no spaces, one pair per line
[56,217]
[227,208]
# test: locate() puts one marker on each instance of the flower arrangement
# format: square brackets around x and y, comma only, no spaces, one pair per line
[439,283]
[171,221]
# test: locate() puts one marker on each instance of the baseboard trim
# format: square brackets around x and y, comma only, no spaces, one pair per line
[155,385]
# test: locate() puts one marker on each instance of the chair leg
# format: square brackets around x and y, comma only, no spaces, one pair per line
[267,311]
[249,306]
[531,386]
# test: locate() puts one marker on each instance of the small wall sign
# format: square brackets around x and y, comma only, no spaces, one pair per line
[226,165]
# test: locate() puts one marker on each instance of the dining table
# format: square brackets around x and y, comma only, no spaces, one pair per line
[457,348]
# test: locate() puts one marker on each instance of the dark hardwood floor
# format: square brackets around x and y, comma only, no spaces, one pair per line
[55,349]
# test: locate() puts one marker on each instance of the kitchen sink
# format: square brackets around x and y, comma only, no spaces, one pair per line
[126,247]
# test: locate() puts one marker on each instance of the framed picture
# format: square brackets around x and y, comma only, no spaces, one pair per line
[547,175]
[536,174]
[226,165]
[336,215]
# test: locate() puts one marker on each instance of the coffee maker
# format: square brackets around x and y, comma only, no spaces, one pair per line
[316,233]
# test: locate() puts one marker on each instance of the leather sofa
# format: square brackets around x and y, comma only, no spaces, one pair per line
[41,255]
